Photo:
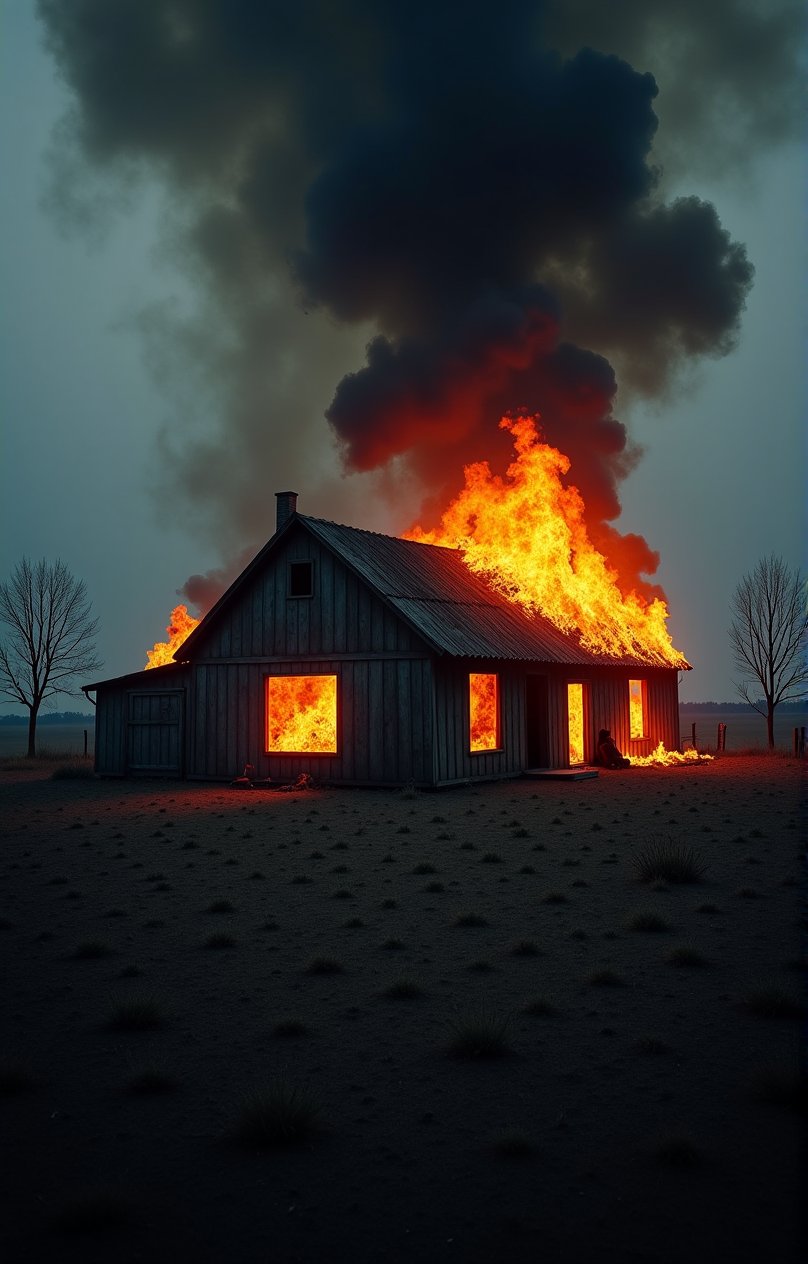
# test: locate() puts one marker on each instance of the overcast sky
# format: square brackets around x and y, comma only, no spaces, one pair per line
[124,454]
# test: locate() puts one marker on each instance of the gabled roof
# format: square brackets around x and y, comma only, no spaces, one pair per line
[435,593]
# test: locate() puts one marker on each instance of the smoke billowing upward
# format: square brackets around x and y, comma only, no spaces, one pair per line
[474,194]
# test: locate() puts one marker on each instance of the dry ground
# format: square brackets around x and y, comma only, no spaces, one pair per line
[646,1108]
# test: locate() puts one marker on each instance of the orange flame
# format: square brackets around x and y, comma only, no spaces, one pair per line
[180,625]
[666,759]
[636,710]
[302,715]
[526,535]
[483,711]
[575,725]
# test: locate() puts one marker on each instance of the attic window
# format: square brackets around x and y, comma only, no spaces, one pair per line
[301,579]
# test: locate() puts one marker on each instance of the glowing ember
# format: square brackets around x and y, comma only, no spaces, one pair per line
[525,534]
[575,713]
[665,758]
[302,715]
[180,625]
[483,711]
[636,709]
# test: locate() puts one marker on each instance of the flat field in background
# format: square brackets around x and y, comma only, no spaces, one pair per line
[744,729]
[49,737]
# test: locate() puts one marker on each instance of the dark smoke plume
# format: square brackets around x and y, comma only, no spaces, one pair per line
[474,193]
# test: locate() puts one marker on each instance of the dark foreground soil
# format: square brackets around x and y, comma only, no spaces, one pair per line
[646,1106]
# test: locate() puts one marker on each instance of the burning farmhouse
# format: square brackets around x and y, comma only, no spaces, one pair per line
[371,660]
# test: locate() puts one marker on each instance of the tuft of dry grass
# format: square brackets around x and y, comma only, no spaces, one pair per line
[480,1033]
[666,860]
[280,1116]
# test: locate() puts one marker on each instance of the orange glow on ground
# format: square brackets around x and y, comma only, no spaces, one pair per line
[302,715]
[575,711]
[636,709]
[180,625]
[525,534]
[483,711]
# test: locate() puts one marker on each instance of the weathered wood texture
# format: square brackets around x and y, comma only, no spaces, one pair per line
[384,721]
[341,617]
[403,710]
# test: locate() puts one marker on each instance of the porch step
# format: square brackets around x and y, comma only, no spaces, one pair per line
[560,774]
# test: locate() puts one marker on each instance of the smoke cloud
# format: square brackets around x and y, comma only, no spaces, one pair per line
[411,219]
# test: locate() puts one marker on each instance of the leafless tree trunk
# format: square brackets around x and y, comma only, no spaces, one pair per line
[768,637]
[49,638]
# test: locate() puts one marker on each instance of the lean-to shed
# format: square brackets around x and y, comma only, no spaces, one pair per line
[364,659]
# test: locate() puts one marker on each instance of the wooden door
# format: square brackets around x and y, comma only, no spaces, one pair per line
[154,733]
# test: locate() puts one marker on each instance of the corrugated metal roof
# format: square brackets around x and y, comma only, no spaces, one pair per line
[453,609]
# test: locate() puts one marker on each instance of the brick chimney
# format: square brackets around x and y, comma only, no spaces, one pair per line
[285,508]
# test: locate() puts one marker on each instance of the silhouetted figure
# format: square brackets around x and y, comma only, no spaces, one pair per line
[608,754]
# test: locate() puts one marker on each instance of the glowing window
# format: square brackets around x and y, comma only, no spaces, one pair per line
[302,715]
[636,708]
[575,723]
[483,711]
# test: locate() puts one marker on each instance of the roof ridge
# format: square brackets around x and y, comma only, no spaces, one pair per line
[380,535]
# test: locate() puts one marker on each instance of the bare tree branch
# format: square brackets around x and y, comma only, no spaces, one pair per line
[768,637]
[50,636]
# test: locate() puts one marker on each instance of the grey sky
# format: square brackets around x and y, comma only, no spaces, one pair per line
[99,398]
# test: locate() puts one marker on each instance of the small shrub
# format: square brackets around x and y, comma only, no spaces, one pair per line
[687,957]
[650,1046]
[74,770]
[220,940]
[279,1116]
[15,1080]
[677,1151]
[151,1082]
[139,1013]
[353,923]
[541,1007]
[93,1213]
[770,1002]
[480,1033]
[525,948]
[220,906]
[554,897]
[514,1145]
[647,921]
[289,1028]
[665,860]
[470,919]
[424,868]
[491,858]
[393,944]
[605,978]
[434,888]
[323,965]
[343,894]
[403,989]
[92,949]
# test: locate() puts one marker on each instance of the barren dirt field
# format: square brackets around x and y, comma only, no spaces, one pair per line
[354,1025]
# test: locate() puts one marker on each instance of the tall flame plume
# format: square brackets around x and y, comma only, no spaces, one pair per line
[525,534]
[180,625]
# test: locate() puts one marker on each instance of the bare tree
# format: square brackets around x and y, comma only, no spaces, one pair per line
[768,637]
[50,637]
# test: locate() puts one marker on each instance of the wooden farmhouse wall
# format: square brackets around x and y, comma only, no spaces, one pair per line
[383,670]
[141,724]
